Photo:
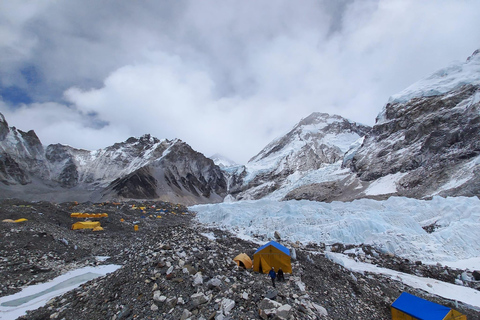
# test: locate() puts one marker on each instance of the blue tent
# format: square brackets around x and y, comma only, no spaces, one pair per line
[272,254]
[418,308]
[276,245]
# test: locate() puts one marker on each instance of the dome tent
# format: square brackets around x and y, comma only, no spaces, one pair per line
[272,254]
[243,260]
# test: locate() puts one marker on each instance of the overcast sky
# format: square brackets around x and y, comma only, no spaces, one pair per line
[224,76]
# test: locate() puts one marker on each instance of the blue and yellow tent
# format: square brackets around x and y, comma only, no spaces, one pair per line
[410,307]
[272,254]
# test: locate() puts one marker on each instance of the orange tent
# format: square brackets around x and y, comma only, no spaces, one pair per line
[243,260]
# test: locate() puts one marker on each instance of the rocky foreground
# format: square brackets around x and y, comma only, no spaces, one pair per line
[174,268]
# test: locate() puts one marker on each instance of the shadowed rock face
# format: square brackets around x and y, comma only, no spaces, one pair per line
[137,185]
[3,127]
[432,140]
[183,175]
[11,172]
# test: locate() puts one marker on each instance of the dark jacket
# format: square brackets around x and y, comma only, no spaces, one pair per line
[272,274]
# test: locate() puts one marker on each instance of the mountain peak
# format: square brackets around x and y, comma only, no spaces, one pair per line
[445,80]
[3,127]
[475,55]
[222,161]
[317,117]
[146,139]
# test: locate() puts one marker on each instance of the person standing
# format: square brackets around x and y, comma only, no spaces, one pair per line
[280,275]
[272,275]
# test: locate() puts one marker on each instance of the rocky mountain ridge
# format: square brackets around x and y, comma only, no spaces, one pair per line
[424,143]
[175,171]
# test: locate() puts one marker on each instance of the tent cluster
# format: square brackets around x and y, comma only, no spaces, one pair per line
[88,215]
[94,225]
[271,254]
[153,209]
[14,221]
[410,307]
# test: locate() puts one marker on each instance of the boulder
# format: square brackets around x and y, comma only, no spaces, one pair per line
[198,299]
[268,308]
[227,305]
[214,283]
[197,279]
[185,314]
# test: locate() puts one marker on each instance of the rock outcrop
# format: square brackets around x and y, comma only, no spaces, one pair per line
[428,136]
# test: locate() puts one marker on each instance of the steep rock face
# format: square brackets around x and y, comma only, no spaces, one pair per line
[21,155]
[11,172]
[4,130]
[428,136]
[193,171]
[316,141]
[139,184]
[180,175]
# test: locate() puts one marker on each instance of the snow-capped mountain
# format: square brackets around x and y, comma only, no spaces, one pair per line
[315,142]
[222,161]
[426,140]
[139,168]
[424,143]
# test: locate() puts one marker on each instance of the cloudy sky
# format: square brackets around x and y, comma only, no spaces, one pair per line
[225,76]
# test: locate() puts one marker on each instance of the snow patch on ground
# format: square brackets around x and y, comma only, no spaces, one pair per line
[35,296]
[447,290]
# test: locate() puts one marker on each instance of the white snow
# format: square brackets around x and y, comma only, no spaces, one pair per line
[209,235]
[447,290]
[443,81]
[35,296]
[384,185]
[394,225]
[222,161]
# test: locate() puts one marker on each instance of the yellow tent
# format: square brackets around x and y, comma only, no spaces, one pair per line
[88,215]
[97,229]
[272,254]
[15,221]
[85,225]
[242,258]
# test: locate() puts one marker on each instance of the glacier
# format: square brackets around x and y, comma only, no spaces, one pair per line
[393,226]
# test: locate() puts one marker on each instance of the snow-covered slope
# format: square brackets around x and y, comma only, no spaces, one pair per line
[424,143]
[426,139]
[316,142]
[445,230]
[222,161]
[448,79]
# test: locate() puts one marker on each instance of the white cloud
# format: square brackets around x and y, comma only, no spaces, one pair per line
[223,76]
